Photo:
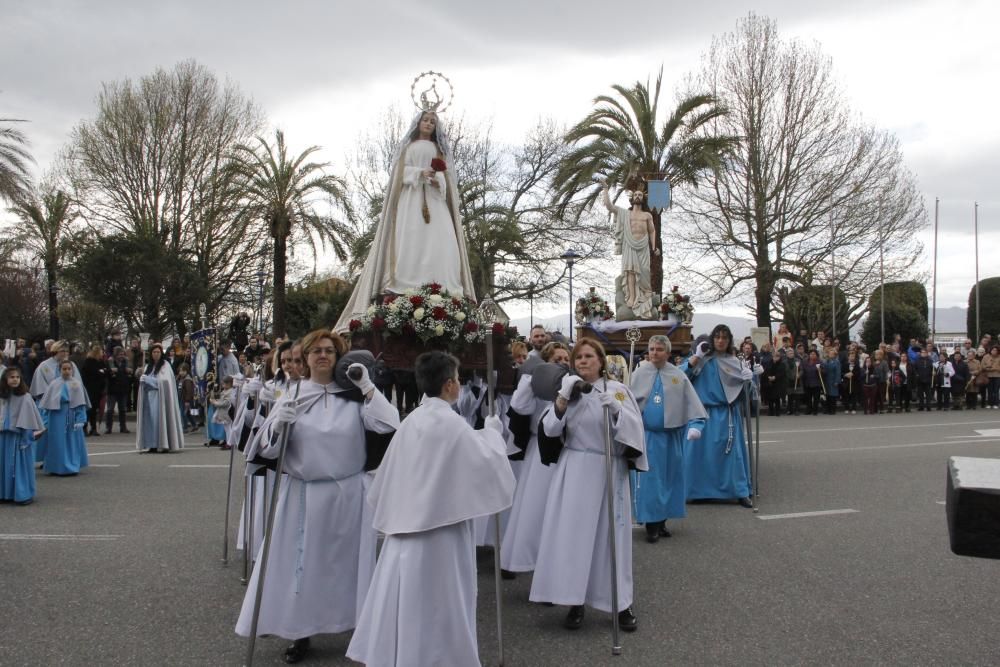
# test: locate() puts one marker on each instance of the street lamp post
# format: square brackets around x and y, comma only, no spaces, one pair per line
[260,303]
[570,257]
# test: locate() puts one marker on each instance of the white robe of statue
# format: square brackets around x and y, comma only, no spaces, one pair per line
[407,250]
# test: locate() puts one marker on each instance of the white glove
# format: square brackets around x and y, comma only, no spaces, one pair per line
[493,423]
[78,427]
[267,395]
[568,382]
[285,413]
[609,401]
[238,381]
[365,384]
[151,381]
[746,374]
[758,369]
[694,434]
[254,386]
[702,349]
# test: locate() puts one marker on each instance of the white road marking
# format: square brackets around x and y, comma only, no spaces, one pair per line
[799,515]
[121,451]
[989,432]
[64,538]
[201,465]
[769,442]
[105,465]
[858,449]
[941,502]
[873,428]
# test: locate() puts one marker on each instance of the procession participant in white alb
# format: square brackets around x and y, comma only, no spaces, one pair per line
[438,476]
[635,238]
[160,428]
[574,559]
[420,238]
[46,373]
[323,549]
[524,527]
[672,414]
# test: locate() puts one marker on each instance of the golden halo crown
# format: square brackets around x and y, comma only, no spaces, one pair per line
[431,91]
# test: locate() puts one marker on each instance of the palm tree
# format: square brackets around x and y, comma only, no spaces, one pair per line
[623,141]
[282,190]
[14,159]
[45,233]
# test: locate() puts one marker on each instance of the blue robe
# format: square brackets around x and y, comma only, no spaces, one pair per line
[17,463]
[66,452]
[660,493]
[709,470]
[214,431]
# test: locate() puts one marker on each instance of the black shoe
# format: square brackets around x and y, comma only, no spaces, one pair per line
[124,430]
[507,574]
[627,620]
[297,651]
[653,532]
[663,530]
[107,431]
[574,619]
[746,502]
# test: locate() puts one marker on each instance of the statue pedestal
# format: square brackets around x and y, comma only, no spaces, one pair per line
[615,342]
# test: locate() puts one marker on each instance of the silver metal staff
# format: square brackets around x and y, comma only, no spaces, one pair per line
[268,530]
[633,335]
[748,430]
[248,501]
[616,647]
[490,398]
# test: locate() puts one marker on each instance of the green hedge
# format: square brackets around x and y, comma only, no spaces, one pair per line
[989,299]
[902,319]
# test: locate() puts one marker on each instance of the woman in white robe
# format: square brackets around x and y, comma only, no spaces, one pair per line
[438,476]
[420,238]
[524,527]
[160,428]
[574,559]
[323,547]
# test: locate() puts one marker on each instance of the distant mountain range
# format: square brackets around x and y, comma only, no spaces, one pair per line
[949,321]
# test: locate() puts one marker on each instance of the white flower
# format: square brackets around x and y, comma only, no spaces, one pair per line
[394,304]
[418,314]
[439,330]
[371,309]
[435,298]
[459,316]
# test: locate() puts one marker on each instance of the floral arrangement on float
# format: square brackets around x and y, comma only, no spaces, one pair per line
[430,314]
[592,308]
[676,306]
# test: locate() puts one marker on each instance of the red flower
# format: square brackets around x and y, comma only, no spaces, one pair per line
[471,327]
[408,329]
[434,288]
[455,302]
[499,329]
[417,301]
[674,288]
[389,298]
[378,323]
[354,325]
[593,299]
[439,313]
[437,164]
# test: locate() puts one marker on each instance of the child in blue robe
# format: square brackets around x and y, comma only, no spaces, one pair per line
[64,413]
[20,423]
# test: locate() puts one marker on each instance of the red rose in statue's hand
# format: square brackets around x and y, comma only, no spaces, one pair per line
[437,164]
[471,327]
[499,329]
[354,324]
[378,323]
[417,301]
[439,313]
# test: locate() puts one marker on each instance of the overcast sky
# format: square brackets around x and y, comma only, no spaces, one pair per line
[323,70]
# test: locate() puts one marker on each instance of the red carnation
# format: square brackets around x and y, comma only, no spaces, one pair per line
[378,323]
[437,164]
[389,298]
[593,299]
[439,313]
[354,324]
[499,329]
[455,302]
[417,301]
[471,327]
[434,288]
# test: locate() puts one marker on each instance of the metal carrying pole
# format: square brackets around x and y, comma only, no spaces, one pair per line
[490,398]
[616,647]
[229,495]
[268,530]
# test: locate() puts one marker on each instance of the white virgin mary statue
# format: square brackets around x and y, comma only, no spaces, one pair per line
[420,238]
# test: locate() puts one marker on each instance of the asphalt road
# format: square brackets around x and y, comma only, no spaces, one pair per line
[121,565]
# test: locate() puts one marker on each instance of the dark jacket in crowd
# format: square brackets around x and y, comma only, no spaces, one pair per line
[119,376]
[94,375]
[923,370]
